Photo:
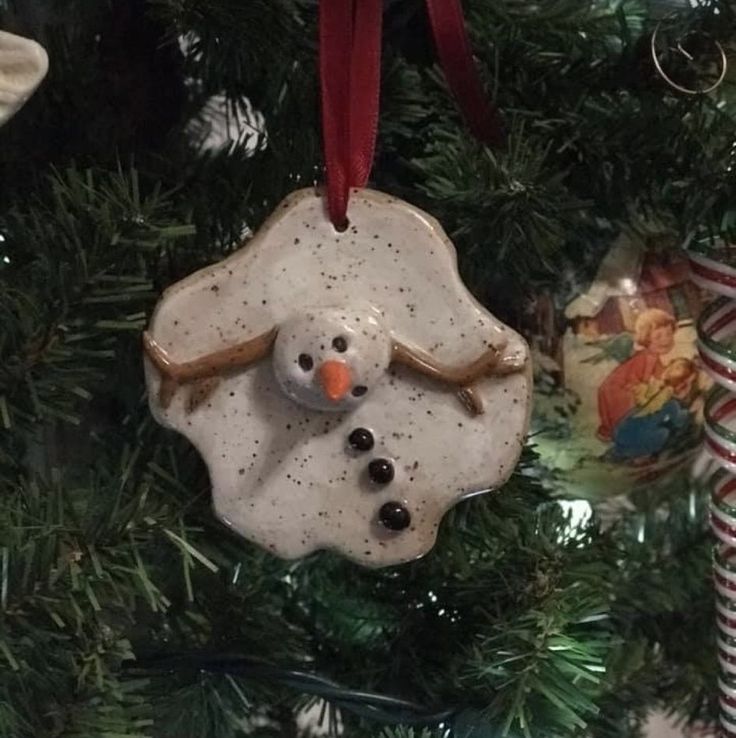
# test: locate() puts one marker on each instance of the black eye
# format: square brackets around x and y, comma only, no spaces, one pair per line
[359,390]
[340,344]
[306,362]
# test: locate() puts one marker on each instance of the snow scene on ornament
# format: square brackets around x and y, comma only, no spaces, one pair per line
[619,387]
[343,387]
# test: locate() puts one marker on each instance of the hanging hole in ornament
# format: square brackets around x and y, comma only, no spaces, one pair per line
[691,56]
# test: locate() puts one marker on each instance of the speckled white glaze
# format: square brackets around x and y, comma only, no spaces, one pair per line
[283,474]
[23,64]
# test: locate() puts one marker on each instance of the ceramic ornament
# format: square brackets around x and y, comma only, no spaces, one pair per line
[23,64]
[344,388]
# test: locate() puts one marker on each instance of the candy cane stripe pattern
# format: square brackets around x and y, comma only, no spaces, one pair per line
[717,349]
[713,276]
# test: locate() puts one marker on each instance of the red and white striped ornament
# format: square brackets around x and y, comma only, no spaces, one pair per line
[717,349]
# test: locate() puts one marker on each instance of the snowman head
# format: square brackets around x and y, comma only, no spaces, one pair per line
[331,358]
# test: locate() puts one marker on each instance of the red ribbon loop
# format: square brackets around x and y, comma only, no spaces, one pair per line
[350,70]
[461,72]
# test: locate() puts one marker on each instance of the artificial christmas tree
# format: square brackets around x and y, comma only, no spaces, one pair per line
[126,607]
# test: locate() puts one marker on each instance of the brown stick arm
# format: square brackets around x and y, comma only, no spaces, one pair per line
[489,362]
[461,375]
[239,356]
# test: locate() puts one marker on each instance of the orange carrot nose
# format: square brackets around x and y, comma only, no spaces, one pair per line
[335,378]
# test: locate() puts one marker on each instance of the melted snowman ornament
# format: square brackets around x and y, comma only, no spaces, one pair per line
[344,388]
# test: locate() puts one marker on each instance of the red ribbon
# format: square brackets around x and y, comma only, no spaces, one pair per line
[461,73]
[350,70]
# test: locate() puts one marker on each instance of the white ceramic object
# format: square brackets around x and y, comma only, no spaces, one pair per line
[23,64]
[390,335]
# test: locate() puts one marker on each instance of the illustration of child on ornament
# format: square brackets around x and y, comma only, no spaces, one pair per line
[619,388]
[645,405]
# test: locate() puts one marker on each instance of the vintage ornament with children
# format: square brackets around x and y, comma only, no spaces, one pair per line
[344,388]
[619,385]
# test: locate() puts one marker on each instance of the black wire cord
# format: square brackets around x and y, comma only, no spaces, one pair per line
[369,705]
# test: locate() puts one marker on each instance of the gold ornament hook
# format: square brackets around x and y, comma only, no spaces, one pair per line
[690,58]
